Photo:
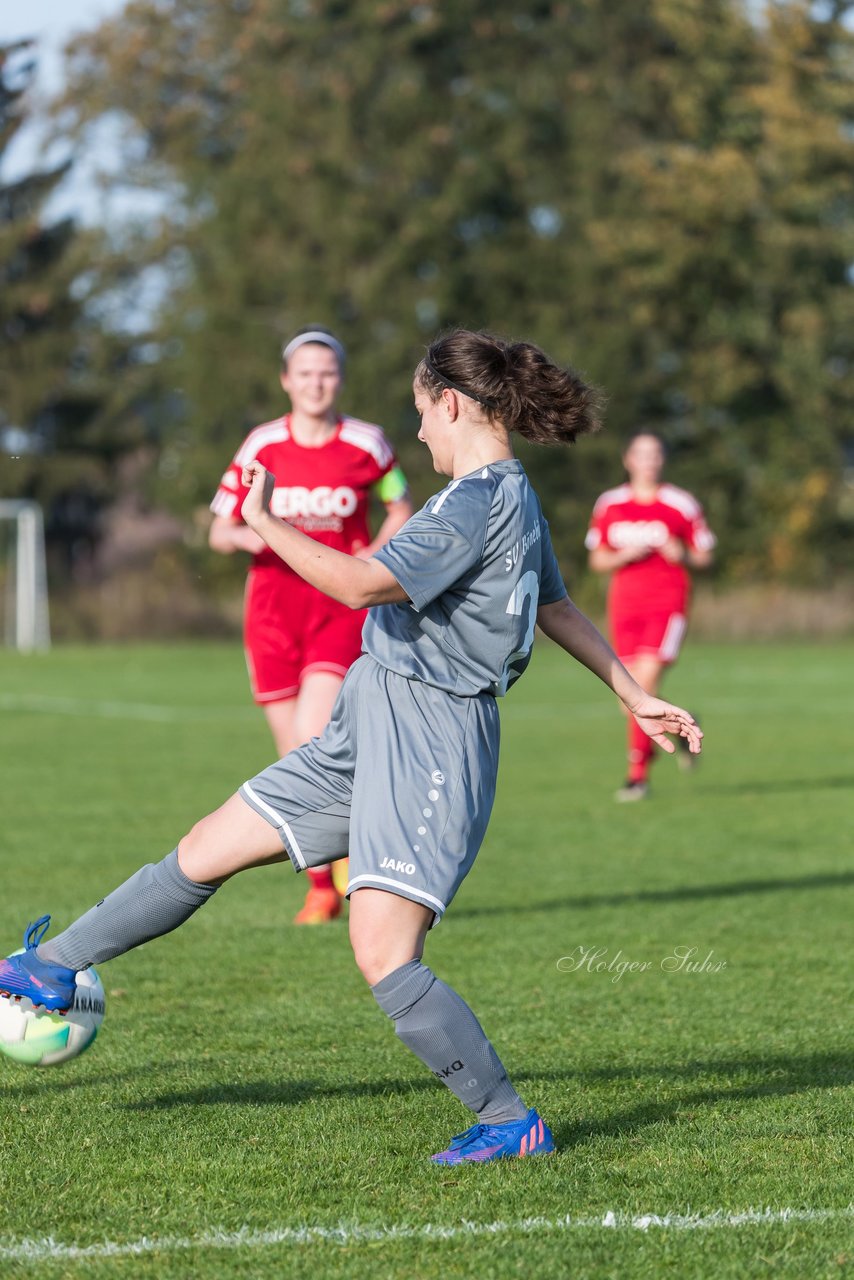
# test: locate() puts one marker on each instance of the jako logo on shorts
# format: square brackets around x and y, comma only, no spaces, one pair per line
[391,864]
[289,504]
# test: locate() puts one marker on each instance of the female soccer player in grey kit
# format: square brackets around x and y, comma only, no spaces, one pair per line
[404,775]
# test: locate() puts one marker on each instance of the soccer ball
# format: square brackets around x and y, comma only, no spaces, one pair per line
[34,1035]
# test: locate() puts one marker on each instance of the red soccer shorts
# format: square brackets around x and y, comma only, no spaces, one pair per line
[656,633]
[291,630]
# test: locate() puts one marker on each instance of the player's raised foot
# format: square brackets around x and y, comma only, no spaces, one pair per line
[631,790]
[24,976]
[484,1142]
[320,907]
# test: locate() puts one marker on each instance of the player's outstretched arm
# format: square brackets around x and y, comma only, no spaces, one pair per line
[356,583]
[575,633]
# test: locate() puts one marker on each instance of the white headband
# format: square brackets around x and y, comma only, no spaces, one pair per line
[314,335]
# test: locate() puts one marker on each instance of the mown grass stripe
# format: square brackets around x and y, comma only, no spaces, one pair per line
[48,704]
[38,704]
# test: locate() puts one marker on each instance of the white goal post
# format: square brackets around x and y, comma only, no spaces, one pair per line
[24,577]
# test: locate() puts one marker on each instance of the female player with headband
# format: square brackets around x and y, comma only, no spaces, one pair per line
[405,773]
[299,643]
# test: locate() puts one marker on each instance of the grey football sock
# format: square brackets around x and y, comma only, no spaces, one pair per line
[152,902]
[442,1031]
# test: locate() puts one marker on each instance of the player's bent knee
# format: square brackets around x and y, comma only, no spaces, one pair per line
[372,961]
[386,931]
[189,842]
[377,957]
[233,838]
[373,970]
[196,838]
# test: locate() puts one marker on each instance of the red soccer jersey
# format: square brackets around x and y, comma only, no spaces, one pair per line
[322,491]
[620,521]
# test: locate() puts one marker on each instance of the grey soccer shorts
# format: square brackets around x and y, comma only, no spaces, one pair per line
[402,779]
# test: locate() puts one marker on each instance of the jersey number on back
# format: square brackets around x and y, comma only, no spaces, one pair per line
[527,588]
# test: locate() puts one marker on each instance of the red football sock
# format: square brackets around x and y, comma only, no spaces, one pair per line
[641,751]
[320,877]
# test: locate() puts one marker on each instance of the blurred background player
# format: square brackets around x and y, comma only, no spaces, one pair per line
[299,643]
[647,535]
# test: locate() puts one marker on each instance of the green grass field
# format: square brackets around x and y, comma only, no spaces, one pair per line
[245,1085]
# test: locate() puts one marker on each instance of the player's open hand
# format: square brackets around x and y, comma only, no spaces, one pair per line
[260,483]
[658,718]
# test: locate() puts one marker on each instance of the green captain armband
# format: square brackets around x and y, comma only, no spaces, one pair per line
[393,486]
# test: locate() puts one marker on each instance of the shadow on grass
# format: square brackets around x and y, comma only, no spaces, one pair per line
[680,893]
[772,1076]
[276,1093]
[693,1085]
[42,1081]
[828,1069]
[735,1079]
[771,786]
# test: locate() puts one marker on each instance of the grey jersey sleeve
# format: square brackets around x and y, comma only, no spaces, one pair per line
[429,554]
[552,587]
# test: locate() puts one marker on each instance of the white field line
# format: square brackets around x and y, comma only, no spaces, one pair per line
[47,705]
[46,1249]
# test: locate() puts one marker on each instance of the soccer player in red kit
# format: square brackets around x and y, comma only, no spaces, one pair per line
[299,643]
[647,535]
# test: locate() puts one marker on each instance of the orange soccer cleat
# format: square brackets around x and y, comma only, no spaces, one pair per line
[320,907]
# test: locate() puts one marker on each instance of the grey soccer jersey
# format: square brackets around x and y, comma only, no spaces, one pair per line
[475,563]
[403,776]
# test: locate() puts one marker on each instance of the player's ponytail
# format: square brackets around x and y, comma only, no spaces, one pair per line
[515,383]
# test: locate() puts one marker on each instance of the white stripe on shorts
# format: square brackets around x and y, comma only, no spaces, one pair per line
[295,849]
[401,884]
[672,637]
[280,823]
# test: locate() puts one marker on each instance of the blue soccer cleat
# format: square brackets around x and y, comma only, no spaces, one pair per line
[25,976]
[482,1142]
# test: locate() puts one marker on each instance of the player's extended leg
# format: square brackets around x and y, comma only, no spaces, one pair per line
[312,709]
[155,900]
[388,933]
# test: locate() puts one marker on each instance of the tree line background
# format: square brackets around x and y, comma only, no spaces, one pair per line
[659,193]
